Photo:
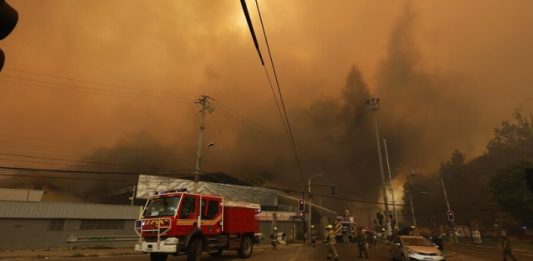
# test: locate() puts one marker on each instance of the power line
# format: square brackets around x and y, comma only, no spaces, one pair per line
[47,161]
[247,122]
[256,43]
[284,116]
[92,82]
[59,159]
[280,93]
[56,177]
[92,91]
[162,173]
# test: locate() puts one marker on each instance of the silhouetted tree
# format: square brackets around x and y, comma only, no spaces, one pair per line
[511,192]
[513,133]
[454,165]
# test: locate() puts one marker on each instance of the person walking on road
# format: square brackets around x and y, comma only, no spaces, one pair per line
[313,236]
[274,238]
[344,231]
[362,244]
[330,241]
[506,249]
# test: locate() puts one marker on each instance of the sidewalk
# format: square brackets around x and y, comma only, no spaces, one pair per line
[43,254]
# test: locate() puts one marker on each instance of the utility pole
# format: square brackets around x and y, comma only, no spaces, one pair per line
[390,184]
[373,103]
[448,208]
[412,206]
[309,204]
[410,190]
[310,213]
[205,105]
[445,194]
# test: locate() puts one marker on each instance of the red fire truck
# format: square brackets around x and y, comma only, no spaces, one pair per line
[177,222]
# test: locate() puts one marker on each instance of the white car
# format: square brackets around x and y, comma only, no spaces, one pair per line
[406,248]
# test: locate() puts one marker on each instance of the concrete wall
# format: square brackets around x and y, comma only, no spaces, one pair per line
[38,234]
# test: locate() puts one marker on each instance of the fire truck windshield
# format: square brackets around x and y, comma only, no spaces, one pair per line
[164,206]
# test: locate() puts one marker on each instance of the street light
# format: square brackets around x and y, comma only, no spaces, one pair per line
[309,203]
[373,104]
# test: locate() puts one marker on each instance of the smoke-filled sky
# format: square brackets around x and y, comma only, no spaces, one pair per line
[82,77]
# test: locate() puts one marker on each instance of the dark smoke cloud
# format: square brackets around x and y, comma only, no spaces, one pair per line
[440,78]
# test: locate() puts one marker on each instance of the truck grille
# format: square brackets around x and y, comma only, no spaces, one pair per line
[153,239]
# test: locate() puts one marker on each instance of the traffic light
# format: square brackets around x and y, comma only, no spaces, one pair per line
[8,20]
[333,187]
[301,205]
[451,216]
[529,178]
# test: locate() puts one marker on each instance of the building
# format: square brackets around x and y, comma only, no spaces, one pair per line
[21,194]
[38,225]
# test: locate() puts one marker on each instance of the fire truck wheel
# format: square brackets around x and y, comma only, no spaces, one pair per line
[195,250]
[247,247]
[158,257]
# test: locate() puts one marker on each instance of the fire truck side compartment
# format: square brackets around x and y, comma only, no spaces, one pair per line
[240,220]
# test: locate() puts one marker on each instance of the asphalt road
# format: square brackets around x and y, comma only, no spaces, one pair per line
[485,253]
[299,252]
[291,253]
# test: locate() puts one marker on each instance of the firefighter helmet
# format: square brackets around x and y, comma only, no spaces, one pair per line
[329,227]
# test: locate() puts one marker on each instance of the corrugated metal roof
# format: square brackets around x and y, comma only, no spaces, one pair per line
[21,194]
[263,196]
[14,209]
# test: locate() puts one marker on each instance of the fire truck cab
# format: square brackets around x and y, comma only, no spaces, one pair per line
[177,222]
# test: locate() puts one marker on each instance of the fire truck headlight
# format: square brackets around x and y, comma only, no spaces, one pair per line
[171,241]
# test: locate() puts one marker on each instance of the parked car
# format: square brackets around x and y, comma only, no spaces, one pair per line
[414,248]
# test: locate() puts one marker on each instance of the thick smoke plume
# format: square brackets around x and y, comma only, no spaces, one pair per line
[439,88]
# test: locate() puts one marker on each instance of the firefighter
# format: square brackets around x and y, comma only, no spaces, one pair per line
[362,244]
[506,248]
[345,234]
[274,238]
[313,235]
[330,241]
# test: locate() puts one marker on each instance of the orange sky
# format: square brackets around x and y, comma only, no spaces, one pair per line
[149,60]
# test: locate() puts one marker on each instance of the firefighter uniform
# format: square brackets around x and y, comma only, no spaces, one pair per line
[362,241]
[313,235]
[331,241]
[274,238]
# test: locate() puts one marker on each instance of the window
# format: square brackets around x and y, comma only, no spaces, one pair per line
[203,207]
[110,224]
[56,225]
[416,241]
[212,209]
[160,207]
[188,207]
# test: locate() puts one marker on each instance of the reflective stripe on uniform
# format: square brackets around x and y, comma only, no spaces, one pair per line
[338,228]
